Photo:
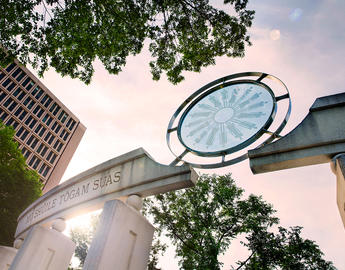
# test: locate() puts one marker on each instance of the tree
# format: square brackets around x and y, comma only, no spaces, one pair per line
[204,220]
[19,186]
[68,35]
[82,237]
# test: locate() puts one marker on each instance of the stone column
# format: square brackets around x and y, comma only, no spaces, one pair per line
[45,249]
[123,238]
[338,168]
[7,255]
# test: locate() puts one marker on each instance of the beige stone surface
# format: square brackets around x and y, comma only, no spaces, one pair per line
[122,241]
[134,173]
[339,172]
[317,139]
[44,249]
[7,255]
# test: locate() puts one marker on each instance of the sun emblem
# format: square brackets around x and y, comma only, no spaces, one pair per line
[226,117]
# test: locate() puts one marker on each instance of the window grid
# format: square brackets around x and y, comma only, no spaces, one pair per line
[27,104]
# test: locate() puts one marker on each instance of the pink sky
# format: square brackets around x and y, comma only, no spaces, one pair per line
[130,110]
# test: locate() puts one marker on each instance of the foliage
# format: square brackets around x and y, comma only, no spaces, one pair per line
[68,35]
[204,220]
[19,186]
[82,237]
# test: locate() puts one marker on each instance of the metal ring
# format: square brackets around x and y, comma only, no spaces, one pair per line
[206,90]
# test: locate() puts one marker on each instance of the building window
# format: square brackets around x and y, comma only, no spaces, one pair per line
[38,128]
[32,160]
[24,135]
[26,152]
[37,162]
[42,131]
[49,100]
[20,76]
[46,138]
[56,110]
[46,171]
[10,67]
[33,123]
[12,122]
[3,115]
[49,155]
[11,86]
[33,145]
[58,145]
[53,158]
[18,111]
[29,103]
[63,116]
[10,104]
[30,85]
[42,168]
[2,95]
[58,127]
[19,94]
[53,107]
[5,83]
[22,115]
[30,139]
[26,82]
[51,139]
[28,120]
[18,70]
[2,75]
[45,149]
[20,131]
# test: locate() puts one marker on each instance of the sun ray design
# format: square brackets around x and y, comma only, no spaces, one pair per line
[245,94]
[257,105]
[211,136]
[226,117]
[200,114]
[234,131]
[207,107]
[197,122]
[215,101]
[225,96]
[244,124]
[233,97]
[204,125]
[223,135]
[201,136]
[250,115]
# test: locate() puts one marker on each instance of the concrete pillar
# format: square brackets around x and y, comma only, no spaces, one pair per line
[45,249]
[123,238]
[338,168]
[7,255]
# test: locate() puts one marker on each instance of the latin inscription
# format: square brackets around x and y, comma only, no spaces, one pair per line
[94,185]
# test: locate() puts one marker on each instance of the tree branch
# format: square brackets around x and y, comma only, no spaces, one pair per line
[245,262]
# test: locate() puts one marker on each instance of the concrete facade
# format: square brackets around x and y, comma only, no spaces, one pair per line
[122,241]
[132,173]
[48,133]
[317,139]
[44,249]
[338,168]
[7,255]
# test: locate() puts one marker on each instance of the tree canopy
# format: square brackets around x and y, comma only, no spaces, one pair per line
[203,221]
[69,35]
[19,186]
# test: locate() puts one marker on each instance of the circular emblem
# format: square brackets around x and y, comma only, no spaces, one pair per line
[225,116]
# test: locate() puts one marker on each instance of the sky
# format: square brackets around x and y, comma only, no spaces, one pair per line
[299,41]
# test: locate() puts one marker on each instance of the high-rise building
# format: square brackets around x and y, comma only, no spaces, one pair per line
[47,132]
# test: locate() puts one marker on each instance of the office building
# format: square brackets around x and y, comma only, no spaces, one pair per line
[47,132]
